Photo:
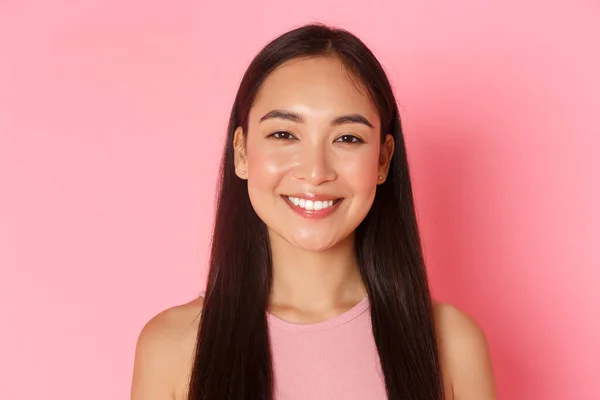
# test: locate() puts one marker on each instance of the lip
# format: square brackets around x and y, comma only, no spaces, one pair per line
[313,214]
[312,196]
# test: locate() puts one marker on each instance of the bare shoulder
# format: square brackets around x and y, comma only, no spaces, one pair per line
[164,352]
[464,353]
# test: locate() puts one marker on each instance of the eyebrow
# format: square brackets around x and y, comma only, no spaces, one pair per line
[297,118]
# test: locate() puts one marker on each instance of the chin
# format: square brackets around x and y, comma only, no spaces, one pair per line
[311,244]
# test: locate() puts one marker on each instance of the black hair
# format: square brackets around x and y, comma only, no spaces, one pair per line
[233,358]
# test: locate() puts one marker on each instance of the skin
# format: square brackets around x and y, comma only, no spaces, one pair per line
[314,269]
[315,274]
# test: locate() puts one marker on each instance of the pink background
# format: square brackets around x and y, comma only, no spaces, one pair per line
[112,116]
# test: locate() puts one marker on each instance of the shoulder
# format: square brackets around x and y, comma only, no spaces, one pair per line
[464,353]
[164,352]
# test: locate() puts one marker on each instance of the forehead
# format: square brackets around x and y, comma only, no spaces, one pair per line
[316,86]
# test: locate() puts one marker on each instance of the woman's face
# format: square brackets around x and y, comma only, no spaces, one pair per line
[312,154]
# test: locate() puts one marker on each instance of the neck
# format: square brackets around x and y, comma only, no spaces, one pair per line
[315,280]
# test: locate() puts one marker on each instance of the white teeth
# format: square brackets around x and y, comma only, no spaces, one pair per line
[310,204]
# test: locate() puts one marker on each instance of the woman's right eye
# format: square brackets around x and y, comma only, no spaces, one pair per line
[282,135]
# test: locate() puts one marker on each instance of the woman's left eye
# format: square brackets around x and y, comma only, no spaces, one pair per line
[349,139]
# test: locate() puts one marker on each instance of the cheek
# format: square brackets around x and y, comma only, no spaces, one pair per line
[360,171]
[265,166]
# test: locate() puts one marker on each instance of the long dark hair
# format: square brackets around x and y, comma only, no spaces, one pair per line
[233,358]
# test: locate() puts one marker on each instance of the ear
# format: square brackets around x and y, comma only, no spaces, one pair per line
[239,151]
[385,158]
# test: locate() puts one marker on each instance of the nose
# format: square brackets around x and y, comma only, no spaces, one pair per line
[315,166]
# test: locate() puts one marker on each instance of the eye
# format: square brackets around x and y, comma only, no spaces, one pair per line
[282,135]
[349,139]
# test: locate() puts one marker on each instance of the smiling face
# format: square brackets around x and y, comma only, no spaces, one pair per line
[312,154]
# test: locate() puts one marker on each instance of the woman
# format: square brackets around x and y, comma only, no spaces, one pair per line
[317,287]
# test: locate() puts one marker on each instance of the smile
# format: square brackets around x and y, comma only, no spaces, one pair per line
[311,205]
[312,208]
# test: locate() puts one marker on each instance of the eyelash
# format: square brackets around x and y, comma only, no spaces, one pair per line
[274,135]
[353,139]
